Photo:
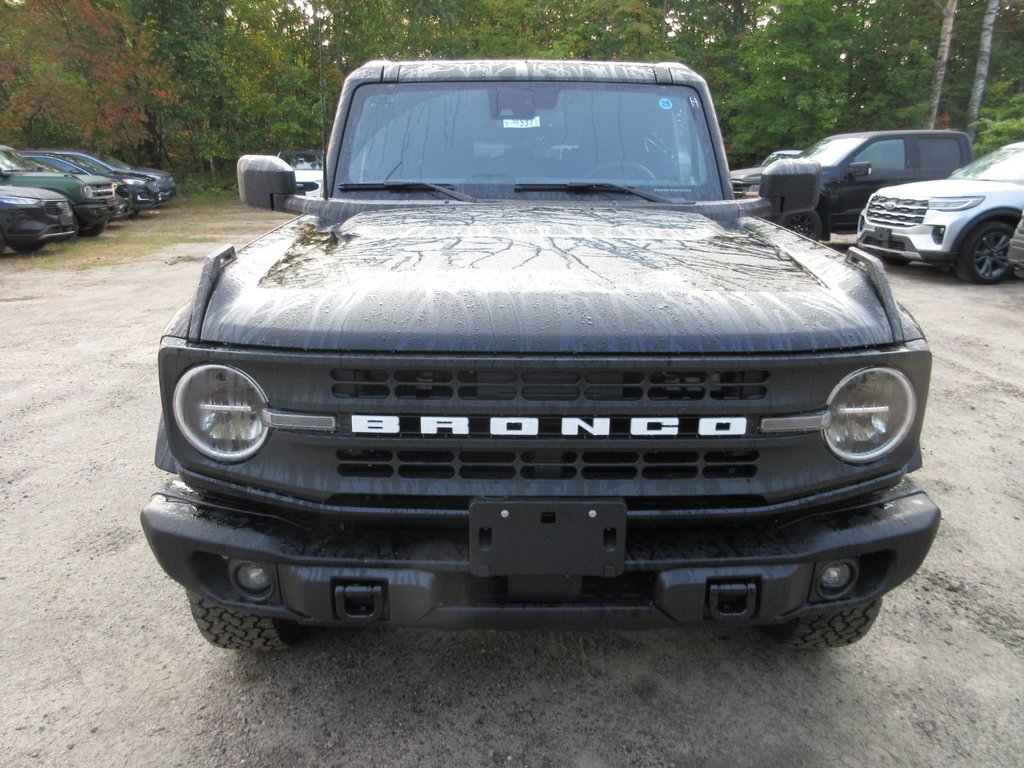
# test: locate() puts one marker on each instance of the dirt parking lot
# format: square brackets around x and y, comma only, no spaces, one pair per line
[100,664]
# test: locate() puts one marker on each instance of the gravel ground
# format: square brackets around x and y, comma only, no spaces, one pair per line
[100,663]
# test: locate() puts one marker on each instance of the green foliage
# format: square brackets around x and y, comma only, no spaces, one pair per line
[1002,123]
[192,84]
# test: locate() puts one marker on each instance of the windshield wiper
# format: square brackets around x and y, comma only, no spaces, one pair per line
[593,187]
[405,186]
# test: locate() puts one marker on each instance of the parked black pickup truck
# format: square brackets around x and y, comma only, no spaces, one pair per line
[528,363]
[856,165]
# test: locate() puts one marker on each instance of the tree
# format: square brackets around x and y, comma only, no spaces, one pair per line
[981,72]
[58,59]
[941,60]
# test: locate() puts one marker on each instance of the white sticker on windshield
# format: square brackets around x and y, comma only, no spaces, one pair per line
[533,122]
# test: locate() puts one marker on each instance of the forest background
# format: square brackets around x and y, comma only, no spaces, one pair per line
[190,85]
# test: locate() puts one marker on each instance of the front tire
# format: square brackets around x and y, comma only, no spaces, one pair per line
[239,631]
[806,223]
[830,629]
[982,259]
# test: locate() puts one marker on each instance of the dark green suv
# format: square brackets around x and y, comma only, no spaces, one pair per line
[91,197]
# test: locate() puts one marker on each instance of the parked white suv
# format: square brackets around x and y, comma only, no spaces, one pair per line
[308,165]
[965,221]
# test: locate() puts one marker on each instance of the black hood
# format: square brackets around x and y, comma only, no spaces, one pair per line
[504,278]
[746,175]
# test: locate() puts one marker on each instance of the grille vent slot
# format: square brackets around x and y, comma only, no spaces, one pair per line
[432,464]
[507,385]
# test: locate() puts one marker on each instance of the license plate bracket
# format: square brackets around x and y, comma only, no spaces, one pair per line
[547,537]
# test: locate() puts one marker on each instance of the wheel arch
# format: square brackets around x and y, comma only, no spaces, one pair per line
[1004,214]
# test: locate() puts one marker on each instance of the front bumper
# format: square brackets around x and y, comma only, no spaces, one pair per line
[932,241]
[26,226]
[92,214]
[144,198]
[761,573]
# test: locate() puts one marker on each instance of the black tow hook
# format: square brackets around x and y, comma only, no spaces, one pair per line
[360,603]
[732,601]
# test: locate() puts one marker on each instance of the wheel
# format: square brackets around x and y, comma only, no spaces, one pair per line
[982,257]
[638,168]
[806,223]
[94,231]
[238,631]
[831,629]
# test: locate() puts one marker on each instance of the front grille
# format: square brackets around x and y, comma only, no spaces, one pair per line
[740,188]
[436,464]
[58,207]
[891,244]
[510,385]
[426,434]
[895,211]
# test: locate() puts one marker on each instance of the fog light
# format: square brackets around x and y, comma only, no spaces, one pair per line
[836,578]
[937,234]
[253,578]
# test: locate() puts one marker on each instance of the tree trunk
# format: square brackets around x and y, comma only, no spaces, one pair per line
[941,60]
[988,27]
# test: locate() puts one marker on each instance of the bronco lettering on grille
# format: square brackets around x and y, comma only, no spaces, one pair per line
[529,426]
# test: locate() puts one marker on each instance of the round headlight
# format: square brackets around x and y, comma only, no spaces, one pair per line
[870,413]
[219,410]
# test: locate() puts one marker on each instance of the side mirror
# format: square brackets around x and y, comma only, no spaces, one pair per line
[862,168]
[262,178]
[791,185]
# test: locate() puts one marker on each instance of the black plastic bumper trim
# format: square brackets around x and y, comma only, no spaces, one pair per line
[413,566]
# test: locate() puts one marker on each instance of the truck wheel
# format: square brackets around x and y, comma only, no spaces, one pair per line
[982,257]
[806,223]
[832,629]
[239,631]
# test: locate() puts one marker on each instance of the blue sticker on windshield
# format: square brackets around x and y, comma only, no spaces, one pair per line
[665,103]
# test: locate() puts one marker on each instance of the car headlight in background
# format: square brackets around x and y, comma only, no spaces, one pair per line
[219,410]
[869,414]
[954,203]
[14,200]
[93,191]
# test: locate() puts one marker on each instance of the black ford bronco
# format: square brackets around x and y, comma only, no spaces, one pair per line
[527,363]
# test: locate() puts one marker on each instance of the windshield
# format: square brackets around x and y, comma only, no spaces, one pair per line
[90,165]
[832,151]
[113,162]
[780,154]
[1006,164]
[310,160]
[49,164]
[12,161]
[654,137]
